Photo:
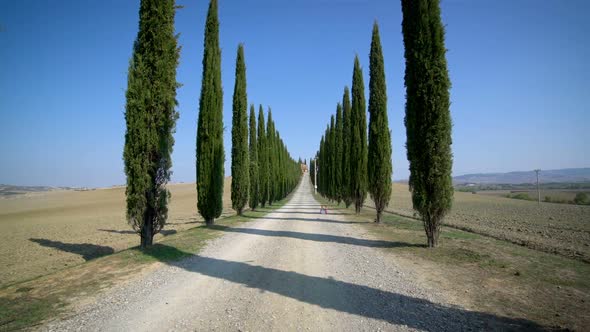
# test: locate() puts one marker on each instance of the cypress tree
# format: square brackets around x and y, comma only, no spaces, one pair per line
[239,134]
[312,171]
[428,118]
[327,179]
[271,155]
[379,161]
[262,159]
[150,118]
[332,156]
[358,143]
[210,153]
[322,167]
[339,148]
[346,139]
[254,177]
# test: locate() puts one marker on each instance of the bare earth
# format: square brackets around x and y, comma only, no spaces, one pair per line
[550,227]
[293,270]
[44,232]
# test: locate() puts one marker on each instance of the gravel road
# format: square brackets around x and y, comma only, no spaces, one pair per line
[293,270]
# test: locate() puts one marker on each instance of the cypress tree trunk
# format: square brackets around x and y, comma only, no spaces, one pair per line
[147,235]
[379,161]
[428,117]
[150,118]
[210,154]
[239,153]
[254,177]
[358,143]
[262,158]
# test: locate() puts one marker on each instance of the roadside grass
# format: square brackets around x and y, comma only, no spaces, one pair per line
[486,274]
[30,303]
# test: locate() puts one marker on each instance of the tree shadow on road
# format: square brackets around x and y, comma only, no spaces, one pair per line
[347,297]
[88,251]
[317,237]
[316,212]
[164,232]
[307,219]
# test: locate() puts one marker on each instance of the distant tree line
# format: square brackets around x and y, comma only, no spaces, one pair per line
[349,163]
[348,167]
[263,171]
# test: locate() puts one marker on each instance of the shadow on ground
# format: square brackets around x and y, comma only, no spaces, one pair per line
[164,232]
[317,237]
[88,251]
[307,219]
[347,297]
[317,212]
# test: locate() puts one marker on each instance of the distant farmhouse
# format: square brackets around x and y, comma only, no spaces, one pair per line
[303,168]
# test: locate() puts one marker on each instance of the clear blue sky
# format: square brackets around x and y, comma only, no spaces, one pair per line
[520,74]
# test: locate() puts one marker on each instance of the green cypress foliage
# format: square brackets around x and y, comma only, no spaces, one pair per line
[332,156]
[358,143]
[239,135]
[346,139]
[322,168]
[262,159]
[312,171]
[338,152]
[254,177]
[428,118]
[210,153]
[379,161]
[270,142]
[150,118]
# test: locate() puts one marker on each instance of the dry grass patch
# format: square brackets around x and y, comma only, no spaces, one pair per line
[46,232]
[549,227]
[29,303]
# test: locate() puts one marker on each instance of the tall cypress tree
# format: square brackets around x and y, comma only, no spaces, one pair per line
[210,153]
[322,167]
[262,159]
[379,161]
[254,178]
[271,156]
[358,143]
[346,139]
[239,135]
[428,117]
[150,117]
[312,171]
[332,156]
[339,148]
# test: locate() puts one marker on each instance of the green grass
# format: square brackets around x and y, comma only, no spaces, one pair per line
[25,311]
[31,302]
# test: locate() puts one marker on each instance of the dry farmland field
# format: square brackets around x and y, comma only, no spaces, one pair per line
[555,228]
[47,231]
[564,196]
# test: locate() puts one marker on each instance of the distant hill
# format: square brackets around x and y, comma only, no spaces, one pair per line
[569,175]
[7,190]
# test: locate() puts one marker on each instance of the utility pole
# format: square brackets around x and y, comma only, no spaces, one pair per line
[315,176]
[538,190]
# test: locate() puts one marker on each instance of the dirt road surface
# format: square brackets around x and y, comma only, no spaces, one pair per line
[292,270]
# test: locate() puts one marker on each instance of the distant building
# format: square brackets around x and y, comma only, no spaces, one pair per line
[303,168]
